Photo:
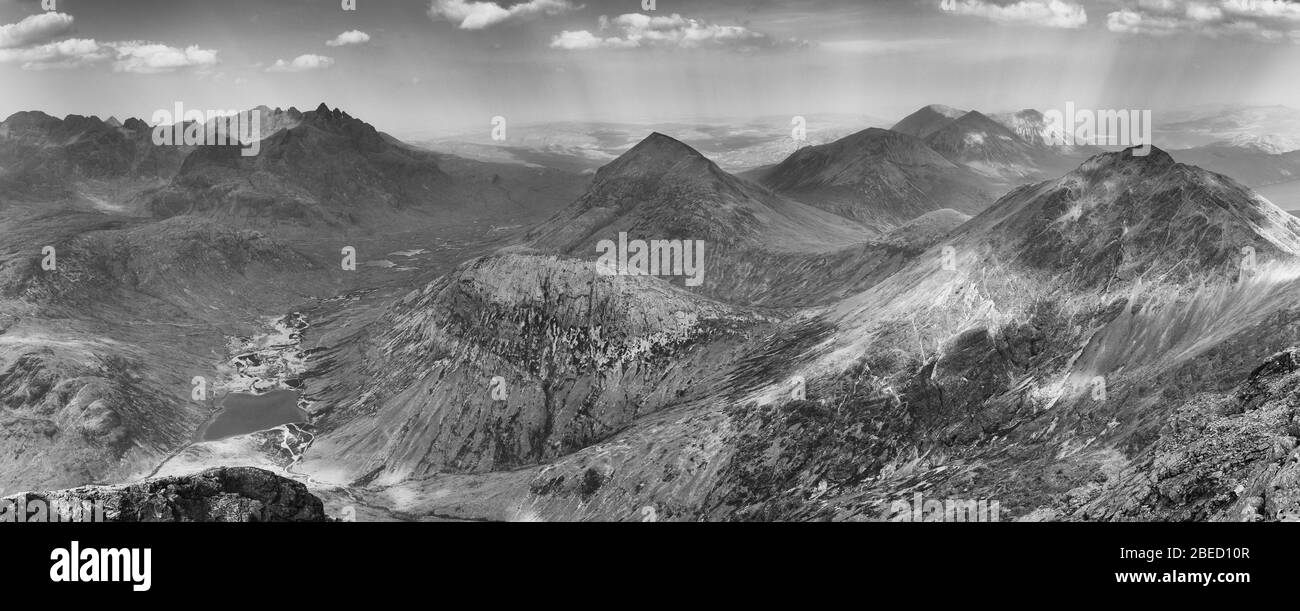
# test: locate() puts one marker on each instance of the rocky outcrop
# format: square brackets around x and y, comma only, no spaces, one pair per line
[1229,459]
[513,360]
[225,494]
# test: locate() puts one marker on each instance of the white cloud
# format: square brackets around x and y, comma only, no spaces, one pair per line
[1266,20]
[127,56]
[302,63]
[31,44]
[150,58]
[635,30]
[72,53]
[476,15]
[582,40]
[35,29]
[1045,13]
[351,37]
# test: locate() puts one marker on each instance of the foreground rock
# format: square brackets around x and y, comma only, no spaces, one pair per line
[223,494]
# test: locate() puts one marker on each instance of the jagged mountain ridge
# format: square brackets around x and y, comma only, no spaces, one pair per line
[988,361]
[325,166]
[43,157]
[324,169]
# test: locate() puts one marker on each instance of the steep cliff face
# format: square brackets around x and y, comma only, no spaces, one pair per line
[226,494]
[511,360]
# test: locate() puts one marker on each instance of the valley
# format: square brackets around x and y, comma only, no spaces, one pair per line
[950,307]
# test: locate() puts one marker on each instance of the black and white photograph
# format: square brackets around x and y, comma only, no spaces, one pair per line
[413,270]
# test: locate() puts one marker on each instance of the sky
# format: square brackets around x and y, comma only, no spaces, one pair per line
[441,66]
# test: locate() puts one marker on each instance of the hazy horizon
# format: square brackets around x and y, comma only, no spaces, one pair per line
[447,66]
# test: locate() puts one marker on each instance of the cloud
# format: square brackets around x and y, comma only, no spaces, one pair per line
[1043,13]
[150,58]
[1266,20]
[31,44]
[302,63]
[351,37]
[127,56]
[875,47]
[35,29]
[473,15]
[72,53]
[635,30]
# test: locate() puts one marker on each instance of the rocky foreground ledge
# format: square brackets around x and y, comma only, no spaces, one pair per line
[221,494]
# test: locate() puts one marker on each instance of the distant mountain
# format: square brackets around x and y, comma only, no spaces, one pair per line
[1276,128]
[758,243]
[879,177]
[1129,217]
[1009,148]
[46,158]
[1031,126]
[988,147]
[735,145]
[1249,164]
[1271,143]
[323,166]
[663,188]
[927,120]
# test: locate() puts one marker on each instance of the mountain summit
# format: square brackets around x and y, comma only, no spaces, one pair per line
[318,166]
[1119,216]
[662,188]
[927,120]
[881,177]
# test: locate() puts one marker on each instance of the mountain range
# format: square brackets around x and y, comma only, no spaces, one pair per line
[951,306]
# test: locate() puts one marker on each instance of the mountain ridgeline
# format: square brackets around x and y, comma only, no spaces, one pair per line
[955,304]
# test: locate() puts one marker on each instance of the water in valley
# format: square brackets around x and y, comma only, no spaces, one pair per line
[244,413]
